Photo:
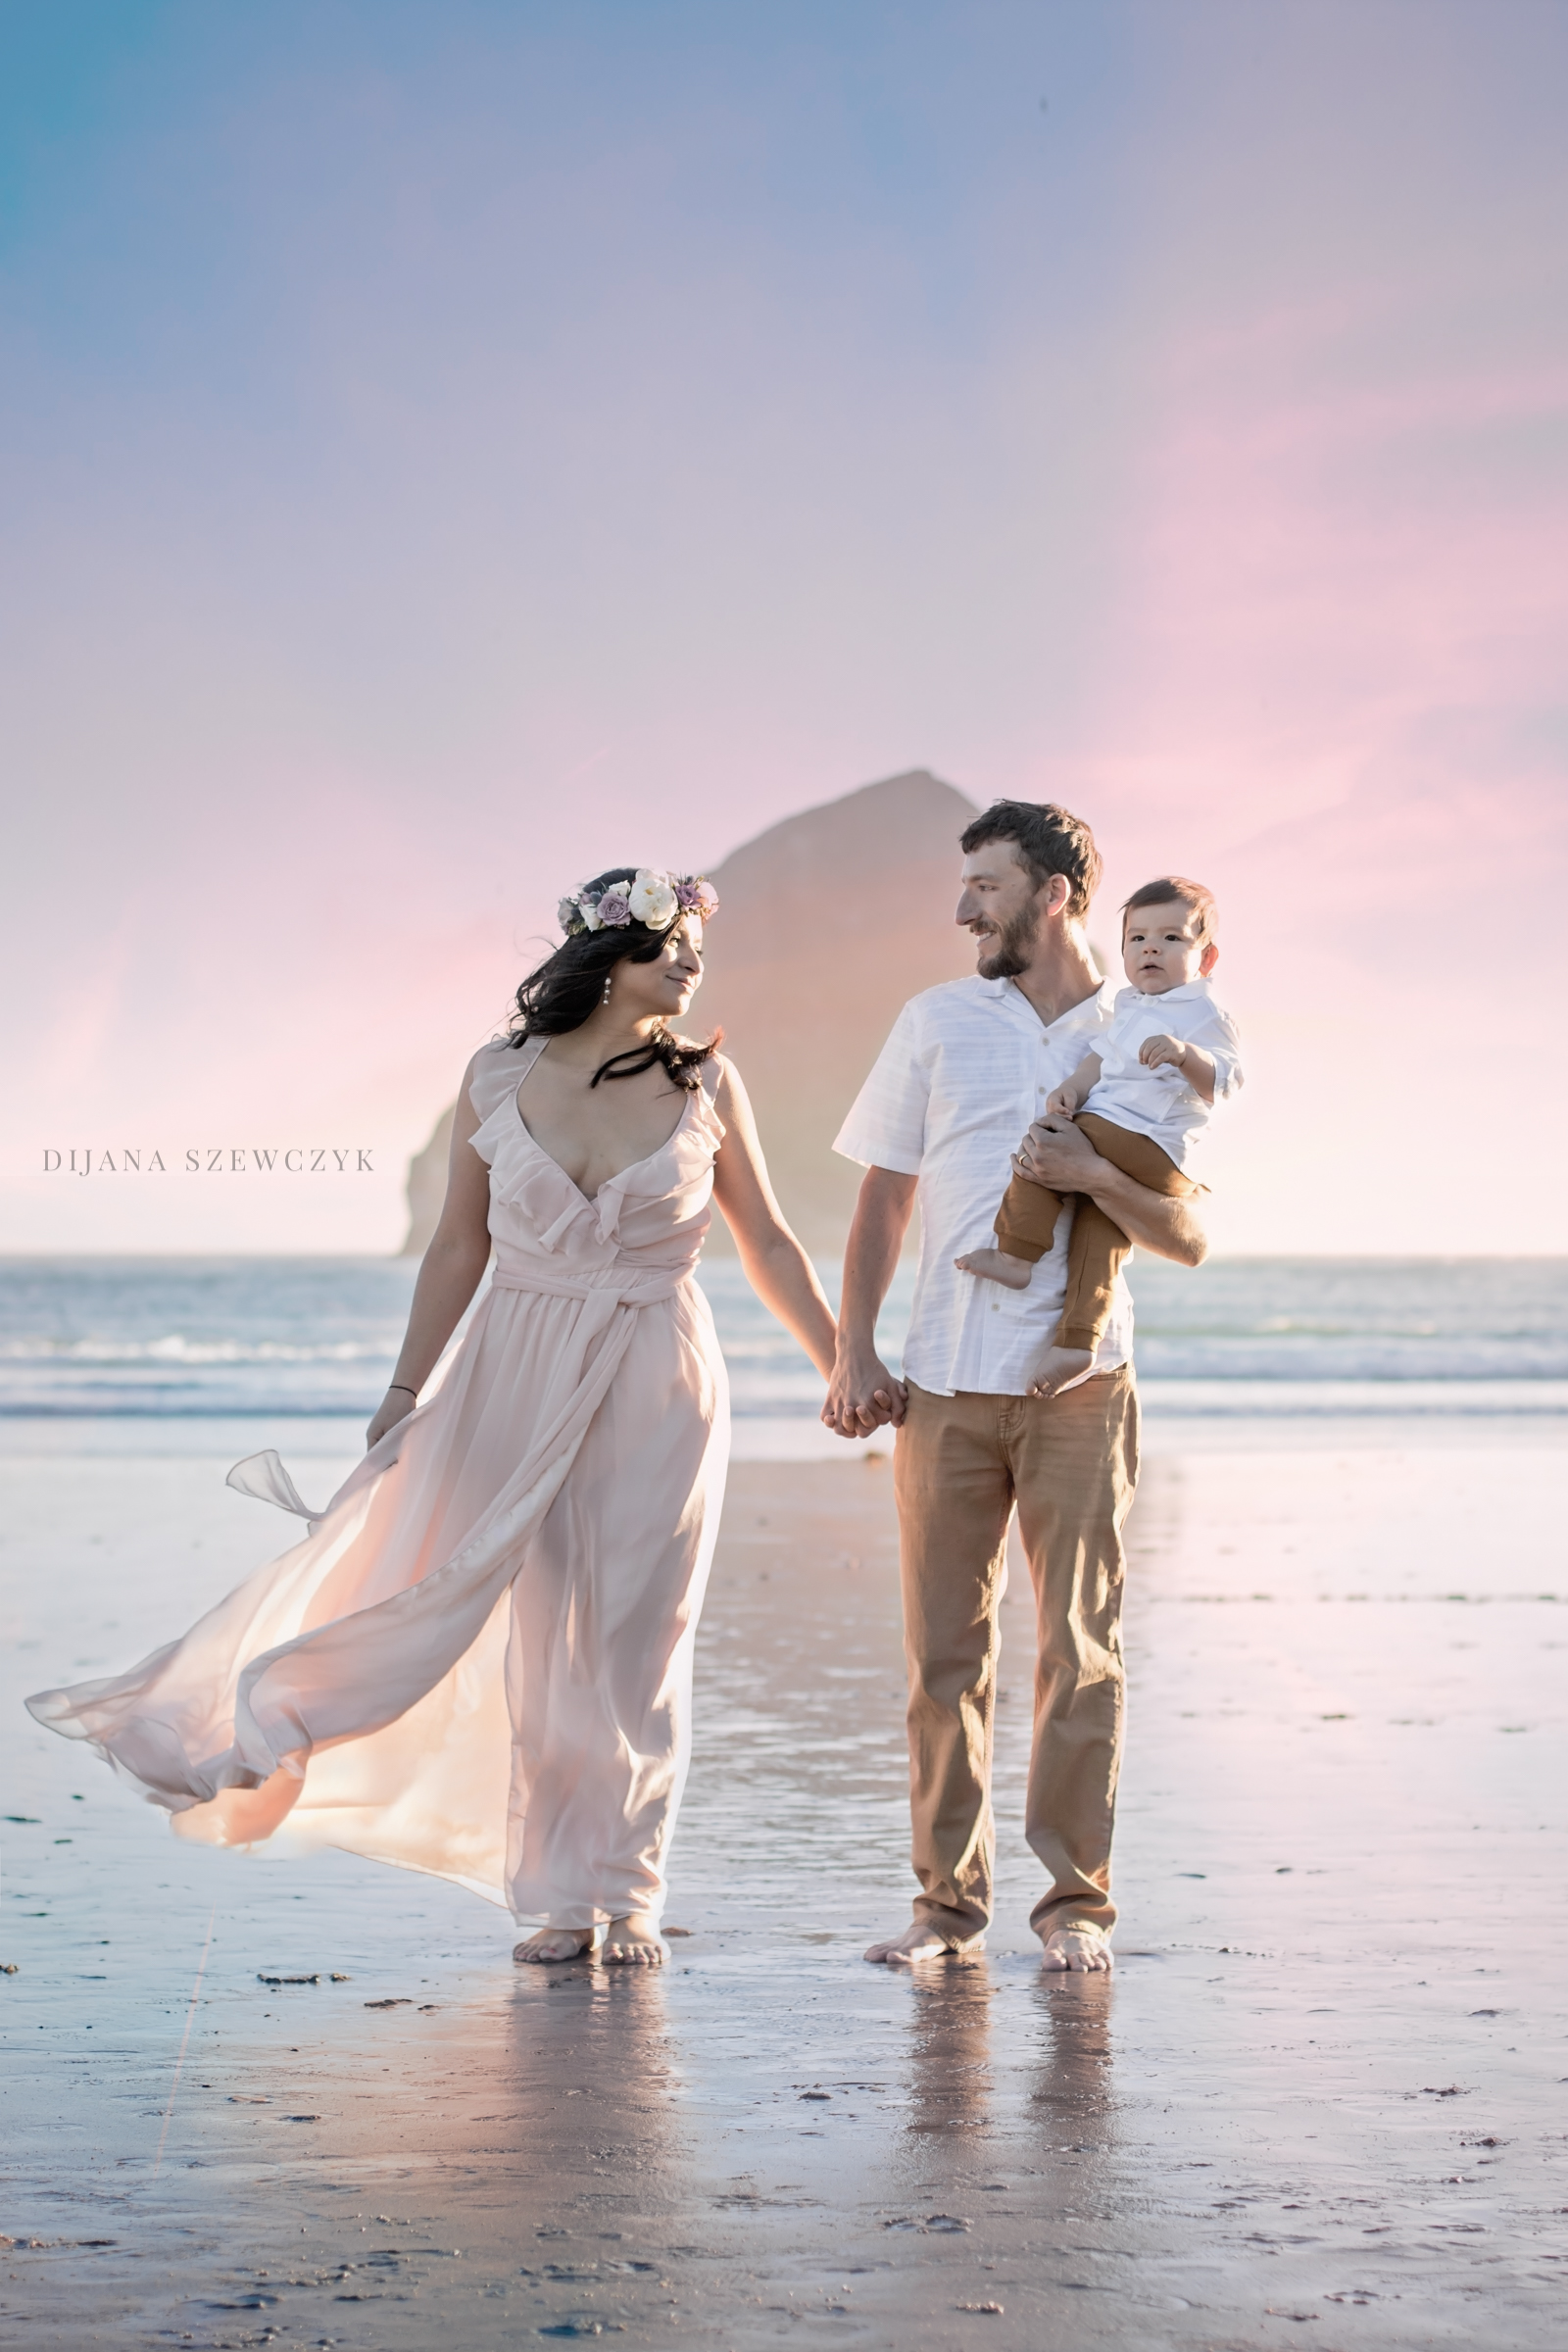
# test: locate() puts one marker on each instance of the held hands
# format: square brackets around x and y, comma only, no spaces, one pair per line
[395,1407]
[862,1395]
[1160,1052]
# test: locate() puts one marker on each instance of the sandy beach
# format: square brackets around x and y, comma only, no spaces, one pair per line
[1321,2101]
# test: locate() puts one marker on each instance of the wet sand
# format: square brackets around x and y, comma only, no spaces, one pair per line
[1321,2103]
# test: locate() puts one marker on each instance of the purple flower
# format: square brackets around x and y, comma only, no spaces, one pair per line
[615,910]
[696,895]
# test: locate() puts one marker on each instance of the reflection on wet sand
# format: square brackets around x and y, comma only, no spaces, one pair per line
[1343,1701]
[948,2071]
[1071,2095]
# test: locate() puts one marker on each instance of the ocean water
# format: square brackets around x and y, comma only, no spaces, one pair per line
[233,1338]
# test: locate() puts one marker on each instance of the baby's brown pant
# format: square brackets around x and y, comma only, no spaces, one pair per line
[1027,1221]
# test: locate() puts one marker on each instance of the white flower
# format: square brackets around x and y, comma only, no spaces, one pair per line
[589,909]
[652,899]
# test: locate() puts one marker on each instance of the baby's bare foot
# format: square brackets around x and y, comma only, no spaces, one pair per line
[995,1265]
[918,1943]
[633,1942]
[1056,1367]
[555,1944]
[1082,1949]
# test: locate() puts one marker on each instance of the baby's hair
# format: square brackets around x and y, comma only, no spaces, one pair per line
[1192,895]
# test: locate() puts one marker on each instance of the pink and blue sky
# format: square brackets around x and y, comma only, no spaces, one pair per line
[448,447]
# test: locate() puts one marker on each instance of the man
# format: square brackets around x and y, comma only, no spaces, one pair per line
[964,1073]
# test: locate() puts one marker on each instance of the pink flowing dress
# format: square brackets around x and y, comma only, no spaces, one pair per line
[480,1658]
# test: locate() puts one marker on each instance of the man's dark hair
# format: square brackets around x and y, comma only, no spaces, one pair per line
[1176,889]
[1050,841]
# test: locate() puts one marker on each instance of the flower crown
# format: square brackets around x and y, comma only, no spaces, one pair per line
[647,897]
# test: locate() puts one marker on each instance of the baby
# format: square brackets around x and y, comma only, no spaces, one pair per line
[1143,1101]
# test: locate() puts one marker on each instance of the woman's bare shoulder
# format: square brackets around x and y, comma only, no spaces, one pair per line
[492,1072]
[720,1075]
[729,1096]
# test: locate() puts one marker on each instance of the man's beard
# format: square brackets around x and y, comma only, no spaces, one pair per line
[1011,945]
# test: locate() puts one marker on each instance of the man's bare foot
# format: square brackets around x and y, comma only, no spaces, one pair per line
[633,1942]
[918,1943]
[995,1265]
[1082,1949]
[555,1944]
[1056,1367]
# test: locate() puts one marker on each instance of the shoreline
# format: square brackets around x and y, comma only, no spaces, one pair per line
[1344,1712]
[1209,1416]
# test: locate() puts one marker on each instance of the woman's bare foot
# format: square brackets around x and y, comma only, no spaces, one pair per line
[1079,1948]
[1056,1367]
[995,1265]
[918,1943]
[633,1942]
[555,1944]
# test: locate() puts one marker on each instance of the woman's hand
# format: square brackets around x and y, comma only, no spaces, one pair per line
[862,1393]
[395,1407]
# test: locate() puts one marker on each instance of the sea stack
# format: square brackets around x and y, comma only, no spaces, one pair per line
[827,923]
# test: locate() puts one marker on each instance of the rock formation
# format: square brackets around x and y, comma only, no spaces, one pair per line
[828,922]
[427,1186]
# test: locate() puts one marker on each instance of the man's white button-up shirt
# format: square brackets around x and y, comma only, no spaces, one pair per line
[966,1070]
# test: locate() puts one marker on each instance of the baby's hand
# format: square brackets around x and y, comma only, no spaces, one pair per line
[1157,1052]
[1063,1103]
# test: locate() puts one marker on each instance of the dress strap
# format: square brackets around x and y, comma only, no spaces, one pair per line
[498,1073]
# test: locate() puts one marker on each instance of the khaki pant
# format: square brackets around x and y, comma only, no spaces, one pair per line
[1097,1245]
[1070,1465]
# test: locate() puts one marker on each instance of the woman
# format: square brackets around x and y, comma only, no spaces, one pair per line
[479,1661]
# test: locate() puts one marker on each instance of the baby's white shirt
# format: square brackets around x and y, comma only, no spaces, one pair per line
[1160,1104]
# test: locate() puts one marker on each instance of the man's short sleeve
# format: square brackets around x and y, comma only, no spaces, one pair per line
[886,1125]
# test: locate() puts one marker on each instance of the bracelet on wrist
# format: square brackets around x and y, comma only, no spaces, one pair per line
[402,1387]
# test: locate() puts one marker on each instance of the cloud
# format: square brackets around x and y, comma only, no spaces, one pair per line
[449,451]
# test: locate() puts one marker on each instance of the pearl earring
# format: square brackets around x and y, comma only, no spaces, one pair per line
[604,998]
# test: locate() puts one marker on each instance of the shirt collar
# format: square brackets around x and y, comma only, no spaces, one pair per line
[1091,1013]
[1180,996]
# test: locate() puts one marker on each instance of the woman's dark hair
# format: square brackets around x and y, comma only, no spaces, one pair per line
[560,993]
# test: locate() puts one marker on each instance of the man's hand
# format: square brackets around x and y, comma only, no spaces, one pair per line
[1057,1153]
[861,1395]
[1157,1052]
